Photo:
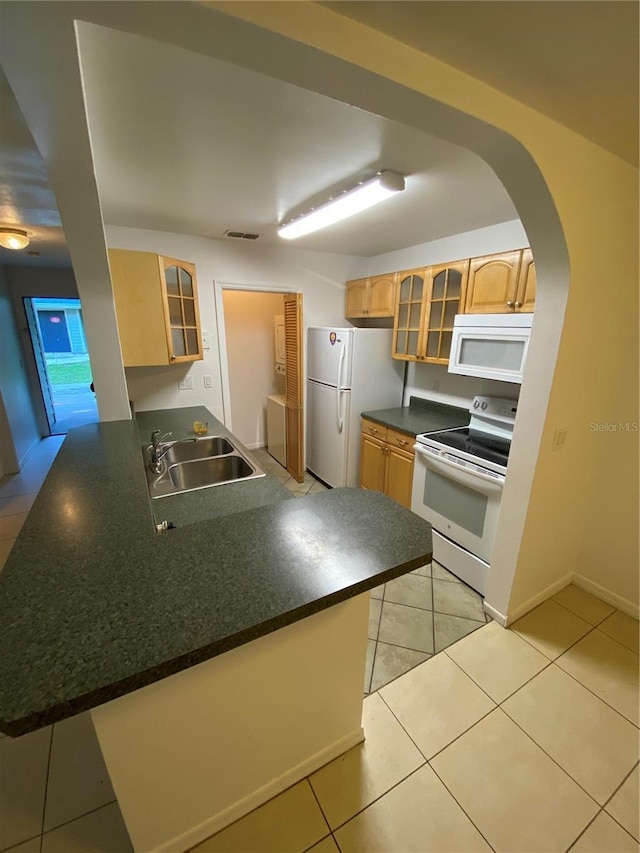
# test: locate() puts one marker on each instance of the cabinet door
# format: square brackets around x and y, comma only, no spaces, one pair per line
[399,476]
[491,288]
[382,295]
[355,304]
[407,325]
[184,339]
[526,292]
[447,284]
[372,462]
[138,293]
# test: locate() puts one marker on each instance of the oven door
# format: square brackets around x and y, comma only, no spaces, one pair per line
[460,503]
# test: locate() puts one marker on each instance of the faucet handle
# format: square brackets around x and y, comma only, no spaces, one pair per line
[157,438]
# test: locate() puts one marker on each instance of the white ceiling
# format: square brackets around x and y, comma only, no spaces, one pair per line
[573,60]
[188,144]
[26,200]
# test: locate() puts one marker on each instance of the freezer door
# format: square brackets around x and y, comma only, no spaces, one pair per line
[328,409]
[329,353]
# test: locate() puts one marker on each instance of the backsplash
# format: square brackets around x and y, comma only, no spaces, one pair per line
[434,382]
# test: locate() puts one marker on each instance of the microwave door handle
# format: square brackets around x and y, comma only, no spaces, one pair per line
[465,476]
[339,418]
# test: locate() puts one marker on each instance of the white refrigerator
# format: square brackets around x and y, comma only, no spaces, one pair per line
[349,371]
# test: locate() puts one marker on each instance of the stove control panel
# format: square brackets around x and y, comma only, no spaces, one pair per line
[501,406]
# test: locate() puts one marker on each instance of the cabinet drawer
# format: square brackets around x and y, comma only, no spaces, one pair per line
[400,440]
[374,429]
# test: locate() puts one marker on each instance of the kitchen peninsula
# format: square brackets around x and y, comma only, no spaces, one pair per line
[235,641]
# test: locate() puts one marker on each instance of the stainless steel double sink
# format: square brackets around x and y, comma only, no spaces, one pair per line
[198,463]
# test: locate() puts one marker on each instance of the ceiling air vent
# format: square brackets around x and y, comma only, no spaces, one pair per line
[241,235]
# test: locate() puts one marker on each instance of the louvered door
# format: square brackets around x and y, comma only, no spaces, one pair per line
[293,359]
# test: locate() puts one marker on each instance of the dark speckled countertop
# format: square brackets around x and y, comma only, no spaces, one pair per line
[94,603]
[420,416]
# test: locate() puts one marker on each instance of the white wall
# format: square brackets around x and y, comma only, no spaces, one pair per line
[249,331]
[469,244]
[19,430]
[319,276]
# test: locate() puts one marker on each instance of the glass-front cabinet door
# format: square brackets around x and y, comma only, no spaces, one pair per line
[407,325]
[183,327]
[446,286]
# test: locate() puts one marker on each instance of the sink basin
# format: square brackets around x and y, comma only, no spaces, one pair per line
[209,472]
[198,448]
[199,463]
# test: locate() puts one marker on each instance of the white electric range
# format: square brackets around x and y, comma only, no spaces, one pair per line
[457,486]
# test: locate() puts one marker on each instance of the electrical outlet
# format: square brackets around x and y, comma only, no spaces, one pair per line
[208,382]
[206,339]
[559,439]
[186,383]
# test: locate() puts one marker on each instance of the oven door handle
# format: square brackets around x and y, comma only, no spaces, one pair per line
[466,476]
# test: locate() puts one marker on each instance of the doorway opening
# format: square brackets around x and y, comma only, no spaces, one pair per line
[62,361]
[261,336]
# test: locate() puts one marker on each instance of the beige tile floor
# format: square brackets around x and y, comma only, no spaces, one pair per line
[522,739]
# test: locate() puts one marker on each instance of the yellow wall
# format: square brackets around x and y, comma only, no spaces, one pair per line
[582,515]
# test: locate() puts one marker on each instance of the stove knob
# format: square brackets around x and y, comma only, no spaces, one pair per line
[475,404]
[484,406]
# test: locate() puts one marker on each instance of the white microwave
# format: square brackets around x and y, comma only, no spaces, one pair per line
[490,346]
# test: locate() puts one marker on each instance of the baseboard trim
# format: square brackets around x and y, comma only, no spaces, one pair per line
[606,595]
[537,599]
[257,798]
[498,617]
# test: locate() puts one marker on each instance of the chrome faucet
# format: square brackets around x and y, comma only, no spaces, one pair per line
[157,451]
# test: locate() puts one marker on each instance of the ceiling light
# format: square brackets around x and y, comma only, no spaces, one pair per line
[12,238]
[353,201]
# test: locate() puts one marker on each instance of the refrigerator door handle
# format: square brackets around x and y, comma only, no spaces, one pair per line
[339,417]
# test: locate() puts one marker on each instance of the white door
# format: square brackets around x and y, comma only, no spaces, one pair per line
[329,356]
[327,433]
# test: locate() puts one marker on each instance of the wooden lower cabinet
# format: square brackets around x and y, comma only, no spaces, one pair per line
[386,462]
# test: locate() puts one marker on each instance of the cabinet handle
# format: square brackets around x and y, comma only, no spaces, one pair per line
[373,429]
[518,304]
[511,303]
[173,358]
[402,442]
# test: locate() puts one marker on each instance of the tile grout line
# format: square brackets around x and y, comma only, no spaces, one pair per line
[384,794]
[461,807]
[78,817]
[46,787]
[528,681]
[315,797]
[542,749]
[564,606]
[609,637]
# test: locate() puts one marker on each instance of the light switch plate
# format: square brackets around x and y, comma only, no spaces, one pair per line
[208,382]
[186,383]
[206,339]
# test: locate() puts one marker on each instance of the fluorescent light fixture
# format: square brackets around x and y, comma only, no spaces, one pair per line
[12,238]
[348,204]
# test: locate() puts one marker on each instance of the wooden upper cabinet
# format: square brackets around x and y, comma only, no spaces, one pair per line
[408,323]
[501,284]
[371,297]
[491,288]
[156,300]
[356,298]
[446,290]
[382,295]
[526,292]
[428,301]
